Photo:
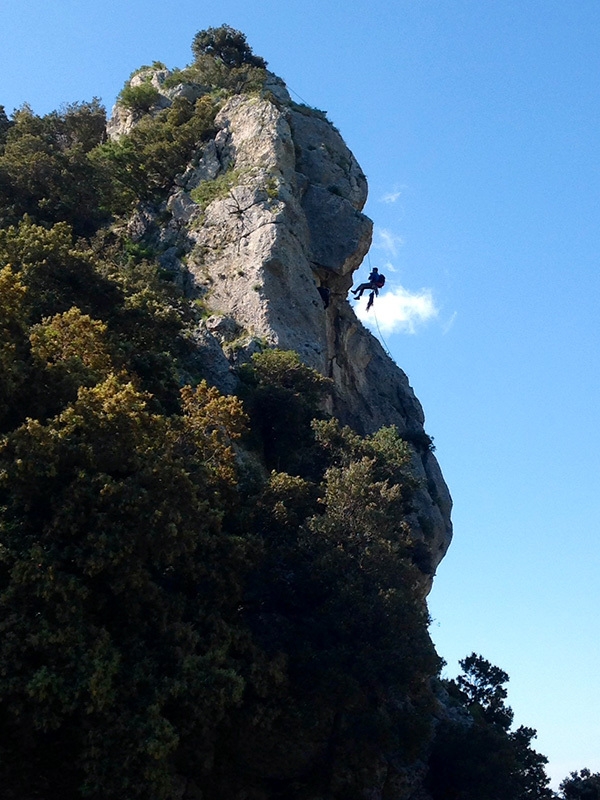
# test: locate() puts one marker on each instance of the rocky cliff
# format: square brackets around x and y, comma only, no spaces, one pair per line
[267,212]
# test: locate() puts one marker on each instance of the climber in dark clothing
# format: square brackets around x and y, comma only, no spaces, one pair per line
[325,293]
[374,283]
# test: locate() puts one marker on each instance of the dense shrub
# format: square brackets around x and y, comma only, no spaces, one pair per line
[263,617]
[143,164]
[118,589]
[4,125]
[52,279]
[140,97]
[45,169]
[283,396]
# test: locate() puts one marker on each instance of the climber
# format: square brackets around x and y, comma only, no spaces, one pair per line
[375,283]
[325,293]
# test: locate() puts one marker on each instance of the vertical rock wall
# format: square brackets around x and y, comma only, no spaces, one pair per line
[285,221]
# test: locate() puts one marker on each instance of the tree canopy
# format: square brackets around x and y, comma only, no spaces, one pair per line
[582,785]
[226,44]
[475,754]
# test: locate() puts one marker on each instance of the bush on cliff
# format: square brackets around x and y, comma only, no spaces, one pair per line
[139,98]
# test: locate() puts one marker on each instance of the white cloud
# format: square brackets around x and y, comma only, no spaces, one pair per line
[398,310]
[388,241]
[391,197]
[394,195]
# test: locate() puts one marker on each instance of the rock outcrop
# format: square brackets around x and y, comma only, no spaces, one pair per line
[282,221]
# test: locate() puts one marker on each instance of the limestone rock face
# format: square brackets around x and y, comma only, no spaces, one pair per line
[122,122]
[284,220]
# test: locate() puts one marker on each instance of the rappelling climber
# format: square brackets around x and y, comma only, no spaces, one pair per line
[375,282]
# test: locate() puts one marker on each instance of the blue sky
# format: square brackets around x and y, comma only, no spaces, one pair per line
[476,122]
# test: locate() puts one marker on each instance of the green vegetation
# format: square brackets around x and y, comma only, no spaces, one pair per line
[310,111]
[59,168]
[476,756]
[139,98]
[224,60]
[46,170]
[581,786]
[143,165]
[227,45]
[272,188]
[159,602]
[217,189]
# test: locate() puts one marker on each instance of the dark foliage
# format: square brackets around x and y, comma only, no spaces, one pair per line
[226,44]
[58,168]
[5,124]
[583,785]
[159,616]
[477,756]
[283,396]
[45,170]
[45,276]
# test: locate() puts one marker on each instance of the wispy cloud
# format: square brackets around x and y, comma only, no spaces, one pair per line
[394,195]
[391,197]
[387,241]
[399,310]
[449,323]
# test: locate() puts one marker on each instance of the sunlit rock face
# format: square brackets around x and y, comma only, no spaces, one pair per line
[283,222]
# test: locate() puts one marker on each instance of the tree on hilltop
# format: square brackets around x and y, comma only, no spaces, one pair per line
[228,45]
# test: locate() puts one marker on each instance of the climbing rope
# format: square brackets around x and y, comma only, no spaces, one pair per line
[383,342]
[302,100]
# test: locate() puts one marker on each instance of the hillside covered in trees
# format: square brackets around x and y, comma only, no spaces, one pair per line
[202,595]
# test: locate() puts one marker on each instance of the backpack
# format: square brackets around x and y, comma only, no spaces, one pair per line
[380,281]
